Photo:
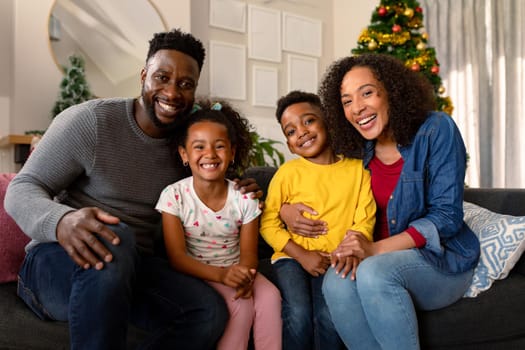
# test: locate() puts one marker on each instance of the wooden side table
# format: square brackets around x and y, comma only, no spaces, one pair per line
[14,150]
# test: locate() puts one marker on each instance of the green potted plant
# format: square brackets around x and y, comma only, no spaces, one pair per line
[264,153]
[74,87]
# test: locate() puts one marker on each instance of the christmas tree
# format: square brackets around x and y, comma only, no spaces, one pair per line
[397,29]
[74,87]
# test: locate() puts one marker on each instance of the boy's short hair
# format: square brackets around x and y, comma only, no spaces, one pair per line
[293,97]
[177,40]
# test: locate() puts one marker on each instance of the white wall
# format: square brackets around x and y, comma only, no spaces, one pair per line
[36,78]
[350,18]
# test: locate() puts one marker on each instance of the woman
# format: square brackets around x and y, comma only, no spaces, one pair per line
[423,255]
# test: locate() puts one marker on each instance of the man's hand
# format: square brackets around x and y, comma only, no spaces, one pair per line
[78,232]
[292,216]
[249,185]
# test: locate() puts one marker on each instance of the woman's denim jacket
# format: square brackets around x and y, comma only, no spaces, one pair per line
[429,194]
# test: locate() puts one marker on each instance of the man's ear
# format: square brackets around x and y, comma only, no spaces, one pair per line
[143,73]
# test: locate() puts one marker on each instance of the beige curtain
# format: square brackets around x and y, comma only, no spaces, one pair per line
[481,48]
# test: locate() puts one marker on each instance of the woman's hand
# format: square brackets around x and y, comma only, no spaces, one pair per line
[354,244]
[345,265]
[292,216]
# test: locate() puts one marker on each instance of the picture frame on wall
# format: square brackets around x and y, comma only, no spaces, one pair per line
[303,73]
[228,14]
[264,34]
[226,58]
[302,35]
[265,86]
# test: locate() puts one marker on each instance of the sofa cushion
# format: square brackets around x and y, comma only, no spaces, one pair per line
[502,240]
[12,239]
[486,322]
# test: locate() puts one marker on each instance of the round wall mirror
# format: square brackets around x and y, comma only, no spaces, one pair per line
[112,37]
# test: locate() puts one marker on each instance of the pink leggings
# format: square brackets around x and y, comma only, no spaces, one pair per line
[262,310]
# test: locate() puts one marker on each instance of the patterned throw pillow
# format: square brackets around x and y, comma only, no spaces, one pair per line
[502,239]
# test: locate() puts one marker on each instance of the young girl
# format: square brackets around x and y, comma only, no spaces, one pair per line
[211,230]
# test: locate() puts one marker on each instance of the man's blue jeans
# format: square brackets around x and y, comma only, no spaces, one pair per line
[180,312]
[378,309]
[306,320]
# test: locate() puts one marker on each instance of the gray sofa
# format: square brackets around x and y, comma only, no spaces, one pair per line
[494,320]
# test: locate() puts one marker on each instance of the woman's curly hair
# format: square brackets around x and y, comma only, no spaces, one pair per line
[410,98]
[220,111]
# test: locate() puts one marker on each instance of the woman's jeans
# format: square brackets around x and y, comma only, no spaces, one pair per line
[180,312]
[306,321]
[378,309]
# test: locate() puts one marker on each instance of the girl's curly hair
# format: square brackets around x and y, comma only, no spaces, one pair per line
[220,111]
[410,98]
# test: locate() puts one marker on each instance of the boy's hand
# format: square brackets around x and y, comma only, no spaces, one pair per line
[314,262]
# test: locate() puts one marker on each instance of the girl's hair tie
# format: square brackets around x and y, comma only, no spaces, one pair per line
[195,108]
[216,106]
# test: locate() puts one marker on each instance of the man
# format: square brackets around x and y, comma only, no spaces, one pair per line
[86,197]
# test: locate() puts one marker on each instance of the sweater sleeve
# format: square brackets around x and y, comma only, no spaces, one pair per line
[65,152]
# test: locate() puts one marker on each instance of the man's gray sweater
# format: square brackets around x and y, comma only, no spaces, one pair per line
[93,154]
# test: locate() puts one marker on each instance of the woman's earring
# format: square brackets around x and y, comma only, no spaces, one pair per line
[185,163]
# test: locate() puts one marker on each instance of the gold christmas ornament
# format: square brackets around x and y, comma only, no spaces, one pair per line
[408,13]
[372,45]
[424,35]
[421,46]
[441,90]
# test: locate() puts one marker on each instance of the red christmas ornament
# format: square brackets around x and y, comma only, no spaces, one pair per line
[396,28]
[415,67]
[382,11]
[419,9]
[434,69]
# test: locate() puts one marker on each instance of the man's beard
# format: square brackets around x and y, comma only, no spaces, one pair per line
[150,111]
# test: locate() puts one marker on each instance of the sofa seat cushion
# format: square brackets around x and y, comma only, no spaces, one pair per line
[12,239]
[20,328]
[496,315]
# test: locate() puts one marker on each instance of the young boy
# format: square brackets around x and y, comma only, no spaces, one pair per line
[339,189]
